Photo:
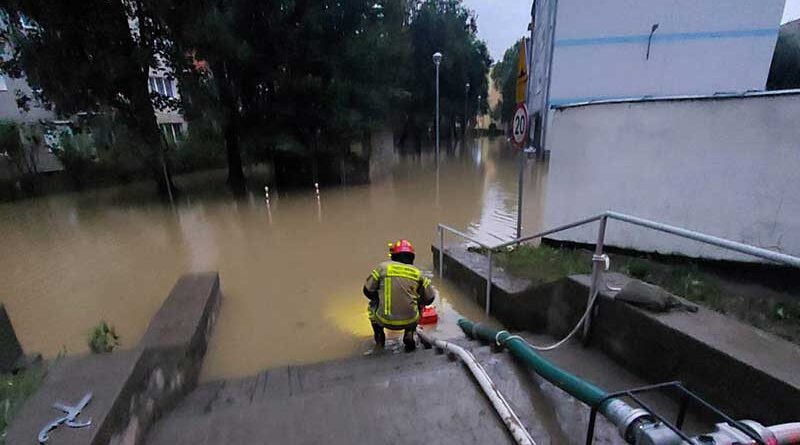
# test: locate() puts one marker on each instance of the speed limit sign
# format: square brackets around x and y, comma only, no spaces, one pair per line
[519,126]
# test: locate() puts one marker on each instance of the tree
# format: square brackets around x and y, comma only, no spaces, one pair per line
[448,27]
[785,70]
[287,74]
[92,56]
[504,76]
[222,52]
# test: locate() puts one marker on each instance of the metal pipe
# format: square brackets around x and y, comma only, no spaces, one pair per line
[437,115]
[786,434]
[548,232]
[441,253]
[546,105]
[708,239]
[489,284]
[501,406]
[661,227]
[466,98]
[464,235]
[597,272]
[520,188]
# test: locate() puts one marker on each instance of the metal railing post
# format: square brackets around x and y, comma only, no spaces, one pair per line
[489,284]
[598,267]
[441,252]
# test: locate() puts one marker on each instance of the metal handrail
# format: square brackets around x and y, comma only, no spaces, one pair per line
[599,257]
[759,252]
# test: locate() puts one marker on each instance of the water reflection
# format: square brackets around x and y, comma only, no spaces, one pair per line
[291,275]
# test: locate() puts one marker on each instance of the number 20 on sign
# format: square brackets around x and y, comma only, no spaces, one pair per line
[519,126]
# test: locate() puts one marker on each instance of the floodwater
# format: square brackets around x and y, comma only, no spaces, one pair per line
[291,269]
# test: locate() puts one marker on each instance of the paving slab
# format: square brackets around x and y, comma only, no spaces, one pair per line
[131,388]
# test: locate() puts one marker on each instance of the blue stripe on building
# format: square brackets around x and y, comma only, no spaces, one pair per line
[668,38]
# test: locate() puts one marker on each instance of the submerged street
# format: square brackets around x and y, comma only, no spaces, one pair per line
[291,271]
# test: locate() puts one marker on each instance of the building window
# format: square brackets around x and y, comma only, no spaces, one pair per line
[162,86]
[26,22]
[173,132]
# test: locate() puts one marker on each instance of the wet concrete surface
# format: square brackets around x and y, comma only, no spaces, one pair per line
[421,397]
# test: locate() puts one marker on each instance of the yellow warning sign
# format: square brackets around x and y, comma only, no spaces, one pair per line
[522,74]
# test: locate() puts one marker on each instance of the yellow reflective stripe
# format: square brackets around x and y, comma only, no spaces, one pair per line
[387,296]
[397,270]
[375,274]
[388,322]
[426,282]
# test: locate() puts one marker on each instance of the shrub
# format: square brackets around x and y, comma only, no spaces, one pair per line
[103,338]
[14,389]
[76,155]
[203,148]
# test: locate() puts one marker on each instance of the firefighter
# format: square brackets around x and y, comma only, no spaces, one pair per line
[397,292]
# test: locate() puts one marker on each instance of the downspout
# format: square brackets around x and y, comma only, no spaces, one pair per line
[551,54]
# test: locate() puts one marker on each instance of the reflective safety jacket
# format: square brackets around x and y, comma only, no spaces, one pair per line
[401,290]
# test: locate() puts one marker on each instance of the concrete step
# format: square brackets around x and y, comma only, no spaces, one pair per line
[392,398]
[283,382]
[420,403]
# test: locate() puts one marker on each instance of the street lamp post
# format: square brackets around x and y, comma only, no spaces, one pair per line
[478,113]
[466,96]
[437,58]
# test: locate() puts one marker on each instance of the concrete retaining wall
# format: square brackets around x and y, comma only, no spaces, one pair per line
[10,349]
[132,388]
[746,372]
[723,166]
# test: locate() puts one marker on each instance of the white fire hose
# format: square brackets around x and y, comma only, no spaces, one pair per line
[499,402]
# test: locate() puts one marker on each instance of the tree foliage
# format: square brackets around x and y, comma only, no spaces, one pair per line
[504,77]
[90,56]
[302,75]
[448,27]
[785,70]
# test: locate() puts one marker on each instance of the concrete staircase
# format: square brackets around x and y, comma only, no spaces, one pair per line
[390,398]
[421,397]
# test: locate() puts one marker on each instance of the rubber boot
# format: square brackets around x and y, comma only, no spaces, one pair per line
[379,335]
[408,341]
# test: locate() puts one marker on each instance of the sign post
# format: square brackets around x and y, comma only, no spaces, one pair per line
[520,124]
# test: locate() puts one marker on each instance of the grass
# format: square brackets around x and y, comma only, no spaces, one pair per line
[754,303]
[685,280]
[14,389]
[543,264]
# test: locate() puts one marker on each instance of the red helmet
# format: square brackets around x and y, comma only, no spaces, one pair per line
[402,246]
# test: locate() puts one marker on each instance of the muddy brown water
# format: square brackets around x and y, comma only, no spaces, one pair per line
[291,271]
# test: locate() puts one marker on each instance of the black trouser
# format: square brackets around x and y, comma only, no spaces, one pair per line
[408,335]
[380,336]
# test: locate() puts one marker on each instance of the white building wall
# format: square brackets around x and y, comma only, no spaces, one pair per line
[700,47]
[726,167]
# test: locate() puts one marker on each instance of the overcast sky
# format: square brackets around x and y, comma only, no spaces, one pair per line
[502,22]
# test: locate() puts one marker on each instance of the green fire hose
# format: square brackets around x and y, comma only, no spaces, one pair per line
[634,425]
[615,410]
